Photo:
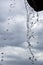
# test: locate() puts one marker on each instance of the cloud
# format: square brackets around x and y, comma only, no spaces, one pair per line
[13,34]
[16,34]
[18,55]
[14,54]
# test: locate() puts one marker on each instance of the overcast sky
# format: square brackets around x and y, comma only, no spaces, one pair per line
[13,34]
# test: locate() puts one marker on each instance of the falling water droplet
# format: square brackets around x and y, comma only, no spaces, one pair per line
[8,18]
[4,38]
[29,58]
[35,59]
[2,60]
[2,53]
[37,42]
[6,29]
[8,23]
[2,56]
[33,63]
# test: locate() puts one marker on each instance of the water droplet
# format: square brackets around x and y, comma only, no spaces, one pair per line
[29,58]
[31,22]
[2,53]
[12,6]
[37,42]
[4,38]
[29,37]
[8,23]
[29,44]
[8,18]
[33,56]
[2,56]
[6,29]
[35,59]
[33,63]
[2,60]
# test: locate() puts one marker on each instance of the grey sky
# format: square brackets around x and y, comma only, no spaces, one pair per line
[13,42]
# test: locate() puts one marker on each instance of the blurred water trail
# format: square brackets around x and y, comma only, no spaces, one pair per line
[32,19]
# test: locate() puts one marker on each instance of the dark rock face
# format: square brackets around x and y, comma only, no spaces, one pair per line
[37,5]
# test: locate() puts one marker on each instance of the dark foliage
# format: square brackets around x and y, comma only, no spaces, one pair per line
[37,5]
